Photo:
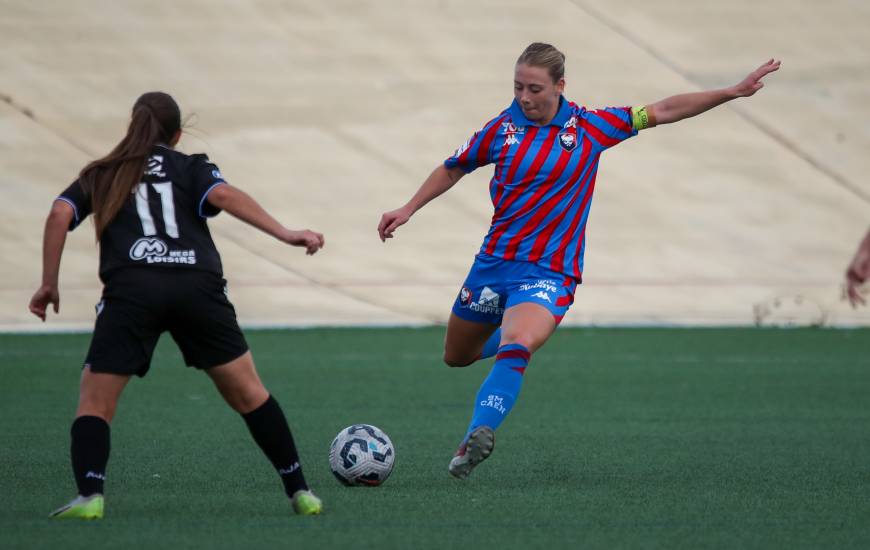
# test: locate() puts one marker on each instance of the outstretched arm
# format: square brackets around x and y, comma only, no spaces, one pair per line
[242,206]
[858,273]
[53,241]
[440,180]
[678,107]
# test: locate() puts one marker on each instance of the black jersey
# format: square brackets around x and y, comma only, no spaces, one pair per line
[164,222]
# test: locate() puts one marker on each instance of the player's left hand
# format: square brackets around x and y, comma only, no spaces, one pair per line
[41,298]
[311,240]
[752,83]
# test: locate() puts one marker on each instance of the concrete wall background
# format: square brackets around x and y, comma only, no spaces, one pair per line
[332,112]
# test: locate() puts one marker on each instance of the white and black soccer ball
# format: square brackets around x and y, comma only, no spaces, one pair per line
[361,454]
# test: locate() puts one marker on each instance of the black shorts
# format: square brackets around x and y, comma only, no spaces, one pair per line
[139,305]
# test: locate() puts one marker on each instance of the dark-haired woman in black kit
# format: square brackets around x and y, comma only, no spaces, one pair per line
[161,272]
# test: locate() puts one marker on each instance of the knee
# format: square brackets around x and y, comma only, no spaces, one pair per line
[247,399]
[98,408]
[520,337]
[457,361]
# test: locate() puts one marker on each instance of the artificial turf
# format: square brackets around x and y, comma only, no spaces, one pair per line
[622,438]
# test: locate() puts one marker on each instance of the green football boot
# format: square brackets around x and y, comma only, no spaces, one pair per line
[89,507]
[306,503]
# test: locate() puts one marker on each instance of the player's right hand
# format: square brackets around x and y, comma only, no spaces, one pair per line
[857,274]
[390,221]
[311,240]
[41,298]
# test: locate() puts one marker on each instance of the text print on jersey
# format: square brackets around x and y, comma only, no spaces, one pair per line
[155,251]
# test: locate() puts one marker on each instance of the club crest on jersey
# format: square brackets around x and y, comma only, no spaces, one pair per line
[511,132]
[568,141]
[465,296]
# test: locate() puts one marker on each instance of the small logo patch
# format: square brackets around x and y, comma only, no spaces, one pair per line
[465,296]
[462,148]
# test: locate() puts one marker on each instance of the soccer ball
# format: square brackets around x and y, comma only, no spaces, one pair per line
[361,455]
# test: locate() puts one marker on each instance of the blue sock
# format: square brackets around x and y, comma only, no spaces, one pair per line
[491,346]
[501,388]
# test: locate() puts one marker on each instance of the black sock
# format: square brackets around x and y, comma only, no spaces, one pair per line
[90,453]
[271,432]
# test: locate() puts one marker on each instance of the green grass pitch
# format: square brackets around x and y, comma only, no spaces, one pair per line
[622,438]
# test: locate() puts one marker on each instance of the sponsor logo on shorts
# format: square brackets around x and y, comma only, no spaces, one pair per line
[155,251]
[488,297]
[465,296]
[495,402]
[99,307]
[546,284]
[489,302]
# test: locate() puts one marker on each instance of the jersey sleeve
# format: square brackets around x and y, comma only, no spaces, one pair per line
[609,126]
[205,176]
[75,196]
[478,150]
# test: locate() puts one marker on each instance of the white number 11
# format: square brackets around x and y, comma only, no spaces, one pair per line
[165,191]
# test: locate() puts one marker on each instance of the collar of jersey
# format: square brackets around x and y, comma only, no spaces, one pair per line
[562,115]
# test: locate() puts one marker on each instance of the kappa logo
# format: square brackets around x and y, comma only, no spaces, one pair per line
[154,166]
[511,132]
[465,296]
[543,296]
[568,141]
[148,247]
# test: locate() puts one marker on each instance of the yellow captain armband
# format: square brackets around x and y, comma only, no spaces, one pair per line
[642,119]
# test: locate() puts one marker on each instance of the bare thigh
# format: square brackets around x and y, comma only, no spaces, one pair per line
[464,340]
[239,384]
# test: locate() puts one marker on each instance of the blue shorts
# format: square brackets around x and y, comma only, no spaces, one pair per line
[494,285]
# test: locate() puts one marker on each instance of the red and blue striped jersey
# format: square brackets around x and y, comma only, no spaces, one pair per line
[544,176]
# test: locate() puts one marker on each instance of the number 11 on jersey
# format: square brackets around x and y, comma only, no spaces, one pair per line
[164,189]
